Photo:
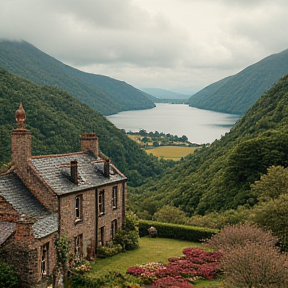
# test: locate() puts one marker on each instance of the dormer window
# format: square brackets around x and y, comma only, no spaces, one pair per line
[78,208]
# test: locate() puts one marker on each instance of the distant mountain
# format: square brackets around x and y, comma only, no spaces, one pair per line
[218,177]
[104,94]
[56,119]
[236,94]
[165,94]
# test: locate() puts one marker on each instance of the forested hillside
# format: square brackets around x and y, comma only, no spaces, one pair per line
[104,94]
[218,177]
[236,94]
[56,120]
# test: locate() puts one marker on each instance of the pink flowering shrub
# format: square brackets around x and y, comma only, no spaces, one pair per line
[195,263]
[166,282]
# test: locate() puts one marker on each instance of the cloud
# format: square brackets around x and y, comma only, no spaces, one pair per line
[167,43]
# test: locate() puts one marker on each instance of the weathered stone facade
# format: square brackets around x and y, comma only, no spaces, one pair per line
[78,195]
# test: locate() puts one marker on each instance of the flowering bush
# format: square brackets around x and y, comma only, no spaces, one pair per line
[195,263]
[81,267]
[178,282]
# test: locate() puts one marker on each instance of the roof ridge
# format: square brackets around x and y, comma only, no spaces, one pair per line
[57,155]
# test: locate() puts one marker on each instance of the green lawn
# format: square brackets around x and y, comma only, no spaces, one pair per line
[151,250]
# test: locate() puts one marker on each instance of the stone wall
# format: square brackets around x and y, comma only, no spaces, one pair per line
[23,251]
[110,212]
[85,225]
[7,212]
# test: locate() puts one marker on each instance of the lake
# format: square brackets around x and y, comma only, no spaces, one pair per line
[200,126]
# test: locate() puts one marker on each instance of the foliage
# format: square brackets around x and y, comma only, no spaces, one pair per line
[250,257]
[109,251]
[236,94]
[196,263]
[255,265]
[56,120]
[273,215]
[81,267]
[160,139]
[104,94]
[175,231]
[218,177]
[62,246]
[234,236]
[171,282]
[169,214]
[128,236]
[129,240]
[8,276]
[131,222]
[217,220]
[271,185]
[112,279]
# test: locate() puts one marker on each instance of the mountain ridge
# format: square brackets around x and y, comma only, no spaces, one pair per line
[165,94]
[236,94]
[104,94]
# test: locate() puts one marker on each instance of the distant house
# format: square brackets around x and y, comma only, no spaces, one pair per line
[79,195]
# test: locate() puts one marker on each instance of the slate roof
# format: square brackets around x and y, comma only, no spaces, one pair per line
[25,203]
[6,229]
[45,226]
[55,171]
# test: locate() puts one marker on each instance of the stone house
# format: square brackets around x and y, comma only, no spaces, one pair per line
[79,195]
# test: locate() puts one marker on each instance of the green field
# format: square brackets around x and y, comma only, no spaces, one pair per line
[150,250]
[171,152]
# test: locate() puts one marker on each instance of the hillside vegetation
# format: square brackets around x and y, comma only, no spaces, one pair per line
[218,177]
[56,120]
[236,94]
[104,94]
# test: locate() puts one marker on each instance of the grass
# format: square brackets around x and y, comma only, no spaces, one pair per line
[171,152]
[150,250]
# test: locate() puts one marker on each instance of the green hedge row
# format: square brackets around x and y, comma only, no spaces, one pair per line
[176,231]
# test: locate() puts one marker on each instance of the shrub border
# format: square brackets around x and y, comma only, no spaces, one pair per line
[176,231]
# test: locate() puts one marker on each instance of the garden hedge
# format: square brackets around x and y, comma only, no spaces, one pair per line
[176,231]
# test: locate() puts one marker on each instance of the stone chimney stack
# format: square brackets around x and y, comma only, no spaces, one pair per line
[21,140]
[89,142]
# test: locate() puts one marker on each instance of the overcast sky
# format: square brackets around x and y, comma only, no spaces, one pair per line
[179,45]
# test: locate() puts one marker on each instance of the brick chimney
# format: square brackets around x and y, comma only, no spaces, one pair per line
[74,171]
[89,142]
[21,140]
[107,168]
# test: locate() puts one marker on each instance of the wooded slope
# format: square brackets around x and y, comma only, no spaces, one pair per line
[104,94]
[57,119]
[236,94]
[218,177]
